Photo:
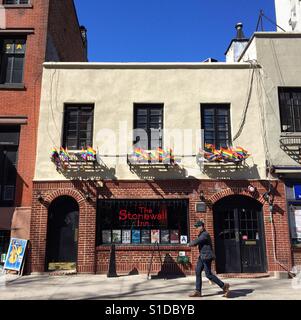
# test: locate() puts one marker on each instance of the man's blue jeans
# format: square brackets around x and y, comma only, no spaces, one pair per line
[205,264]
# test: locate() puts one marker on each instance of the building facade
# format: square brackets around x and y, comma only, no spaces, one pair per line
[134,154]
[31,32]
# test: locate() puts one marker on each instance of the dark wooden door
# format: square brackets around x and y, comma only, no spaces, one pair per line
[251,240]
[62,236]
[239,239]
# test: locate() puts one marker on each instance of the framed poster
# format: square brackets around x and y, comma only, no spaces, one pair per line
[116,236]
[145,236]
[155,236]
[184,239]
[106,237]
[165,236]
[135,236]
[126,236]
[297,227]
[174,236]
[15,254]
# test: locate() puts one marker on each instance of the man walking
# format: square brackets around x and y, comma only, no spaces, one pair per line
[205,261]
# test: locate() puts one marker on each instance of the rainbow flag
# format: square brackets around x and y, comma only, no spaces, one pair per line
[209,147]
[138,152]
[83,154]
[64,154]
[91,152]
[226,153]
[54,153]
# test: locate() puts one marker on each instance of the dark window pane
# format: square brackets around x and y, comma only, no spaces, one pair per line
[78,127]
[150,119]
[216,125]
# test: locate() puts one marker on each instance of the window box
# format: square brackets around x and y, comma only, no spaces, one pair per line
[142,157]
[211,156]
[64,159]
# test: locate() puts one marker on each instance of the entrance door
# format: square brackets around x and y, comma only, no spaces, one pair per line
[62,235]
[239,235]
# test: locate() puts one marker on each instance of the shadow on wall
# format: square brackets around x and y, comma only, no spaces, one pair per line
[159,171]
[88,171]
[232,171]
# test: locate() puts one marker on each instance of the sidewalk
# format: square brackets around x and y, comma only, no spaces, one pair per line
[99,287]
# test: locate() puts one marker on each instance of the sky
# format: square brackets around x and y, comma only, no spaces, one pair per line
[167,30]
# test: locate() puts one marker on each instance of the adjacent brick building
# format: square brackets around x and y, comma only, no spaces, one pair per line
[31,33]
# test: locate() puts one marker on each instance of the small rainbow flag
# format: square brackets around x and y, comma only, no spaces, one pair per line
[138,152]
[64,154]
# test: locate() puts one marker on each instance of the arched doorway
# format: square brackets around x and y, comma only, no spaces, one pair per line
[62,234]
[239,235]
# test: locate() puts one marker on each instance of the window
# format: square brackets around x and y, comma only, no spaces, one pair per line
[12,60]
[78,126]
[9,142]
[295,223]
[216,124]
[290,109]
[16,2]
[148,125]
[142,221]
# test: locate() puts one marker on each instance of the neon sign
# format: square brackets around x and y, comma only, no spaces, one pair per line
[144,216]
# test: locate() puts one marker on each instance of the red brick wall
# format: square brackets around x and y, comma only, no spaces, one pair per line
[136,256]
[297,257]
[26,102]
[64,31]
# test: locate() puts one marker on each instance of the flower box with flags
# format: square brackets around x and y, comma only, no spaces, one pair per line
[224,155]
[63,158]
[148,157]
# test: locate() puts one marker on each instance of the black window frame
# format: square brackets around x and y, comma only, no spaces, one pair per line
[128,203]
[77,107]
[216,139]
[8,170]
[149,107]
[4,65]
[287,111]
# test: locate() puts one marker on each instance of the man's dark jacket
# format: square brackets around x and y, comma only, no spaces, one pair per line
[205,245]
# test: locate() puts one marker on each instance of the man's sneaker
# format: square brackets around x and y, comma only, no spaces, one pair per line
[226,288]
[195,294]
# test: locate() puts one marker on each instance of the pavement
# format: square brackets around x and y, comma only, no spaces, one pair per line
[138,287]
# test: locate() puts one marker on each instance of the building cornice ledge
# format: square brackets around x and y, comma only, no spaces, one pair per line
[148,65]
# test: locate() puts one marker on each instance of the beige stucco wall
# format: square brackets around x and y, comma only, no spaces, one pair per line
[280,59]
[114,88]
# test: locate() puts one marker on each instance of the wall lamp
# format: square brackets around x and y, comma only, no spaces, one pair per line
[40,197]
[88,196]
[202,196]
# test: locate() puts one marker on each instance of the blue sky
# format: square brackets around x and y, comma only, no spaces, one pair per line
[167,30]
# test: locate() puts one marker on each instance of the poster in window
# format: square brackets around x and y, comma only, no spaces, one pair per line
[106,236]
[145,236]
[155,236]
[135,236]
[296,227]
[126,236]
[184,239]
[164,236]
[174,236]
[116,236]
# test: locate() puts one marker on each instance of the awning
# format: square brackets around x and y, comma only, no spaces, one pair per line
[286,169]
